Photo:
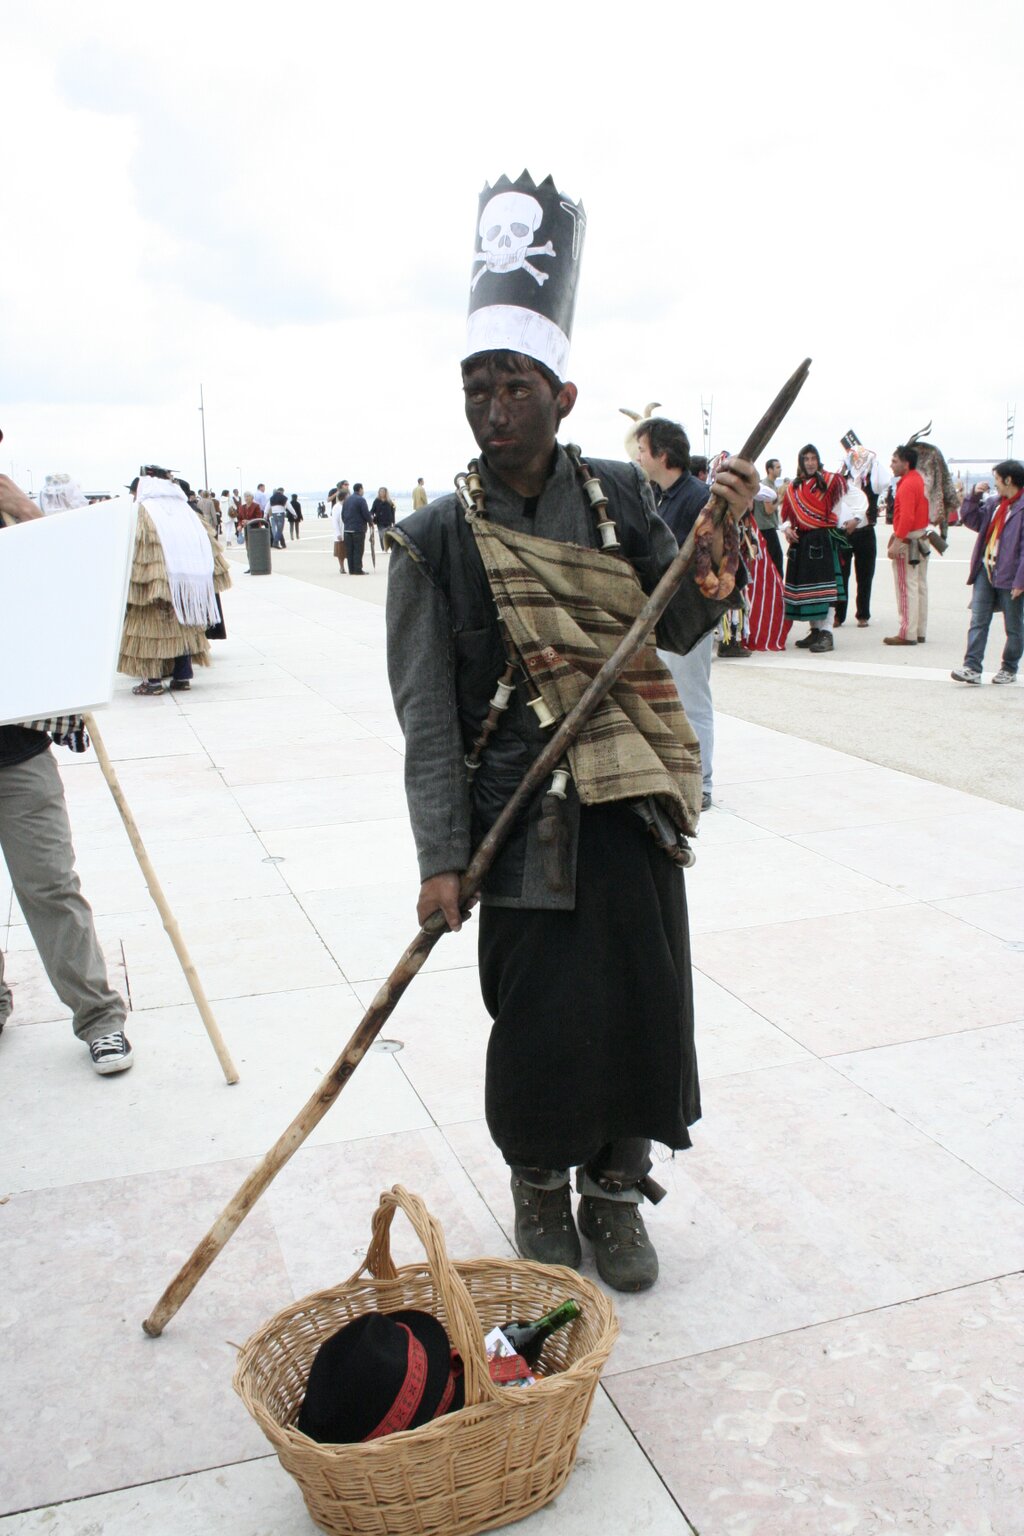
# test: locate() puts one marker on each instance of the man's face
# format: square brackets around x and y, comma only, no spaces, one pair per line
[1006,487]
[809,463]
[898,466]
[644,457]
[772,469]
[513,416]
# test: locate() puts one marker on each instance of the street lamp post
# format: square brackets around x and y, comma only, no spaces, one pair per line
[202,413]
[705,411]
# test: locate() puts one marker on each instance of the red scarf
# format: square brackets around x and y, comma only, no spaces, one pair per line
[995,533]
[808,507]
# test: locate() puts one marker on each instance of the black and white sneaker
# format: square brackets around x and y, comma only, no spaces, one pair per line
[111,1053]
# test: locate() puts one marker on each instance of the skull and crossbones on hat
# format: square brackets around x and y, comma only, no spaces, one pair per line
[507,225]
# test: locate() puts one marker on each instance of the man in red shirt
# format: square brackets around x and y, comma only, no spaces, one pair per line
[908,551]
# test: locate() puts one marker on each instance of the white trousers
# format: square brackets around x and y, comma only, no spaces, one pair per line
[911,583]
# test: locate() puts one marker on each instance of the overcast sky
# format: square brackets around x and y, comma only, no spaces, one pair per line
[279,201]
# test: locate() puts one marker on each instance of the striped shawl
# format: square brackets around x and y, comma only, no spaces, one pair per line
[565,609]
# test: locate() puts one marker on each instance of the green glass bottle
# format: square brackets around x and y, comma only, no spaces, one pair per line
[528,1339]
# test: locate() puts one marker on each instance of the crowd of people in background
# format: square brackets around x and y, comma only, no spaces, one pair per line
[809,543]
[810,547]
[354,519]
[229,513]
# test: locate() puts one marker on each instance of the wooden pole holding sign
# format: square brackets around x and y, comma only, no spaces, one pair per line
[167,917]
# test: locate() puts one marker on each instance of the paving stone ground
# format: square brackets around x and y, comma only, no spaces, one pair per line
[837,1341]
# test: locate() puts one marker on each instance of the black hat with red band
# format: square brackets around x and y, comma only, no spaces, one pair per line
[382,1373]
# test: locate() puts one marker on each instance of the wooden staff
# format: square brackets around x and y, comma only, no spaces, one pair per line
[288,1143]
[167,917]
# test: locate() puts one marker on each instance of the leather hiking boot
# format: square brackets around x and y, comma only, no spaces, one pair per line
[625,1255]
[545,1230]
[822,642]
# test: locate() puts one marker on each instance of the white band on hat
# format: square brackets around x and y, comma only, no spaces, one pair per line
[507,327]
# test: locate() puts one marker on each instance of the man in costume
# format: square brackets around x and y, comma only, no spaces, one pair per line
[813,577]
[869,477]
[663,453]
[996,572]
[909,549]
[177,570]
[517,588]
[35,839]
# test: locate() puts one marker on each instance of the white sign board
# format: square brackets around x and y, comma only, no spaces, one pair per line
[63,588]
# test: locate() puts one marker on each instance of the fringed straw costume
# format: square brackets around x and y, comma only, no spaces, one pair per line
[168,612]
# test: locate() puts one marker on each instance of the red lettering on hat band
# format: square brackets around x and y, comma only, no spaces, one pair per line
[403,1410]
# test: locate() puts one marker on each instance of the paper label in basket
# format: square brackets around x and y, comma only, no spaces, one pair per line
[505,1366]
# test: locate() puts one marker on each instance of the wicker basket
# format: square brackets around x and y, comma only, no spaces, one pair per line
[506,1453]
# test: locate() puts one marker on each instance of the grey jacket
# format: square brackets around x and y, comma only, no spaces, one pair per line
[422,671]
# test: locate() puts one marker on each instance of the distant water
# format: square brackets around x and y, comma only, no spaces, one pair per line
[401,499]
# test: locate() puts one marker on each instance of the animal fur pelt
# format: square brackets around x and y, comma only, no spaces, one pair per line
[943,500]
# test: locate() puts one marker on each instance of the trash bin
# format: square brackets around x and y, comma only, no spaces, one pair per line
[257,546]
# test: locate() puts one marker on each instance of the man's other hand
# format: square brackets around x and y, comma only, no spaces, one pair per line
[14,503]
[736,484]
[441,894]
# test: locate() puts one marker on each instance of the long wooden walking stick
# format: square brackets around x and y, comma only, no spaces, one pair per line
[167,917]
[310,1115]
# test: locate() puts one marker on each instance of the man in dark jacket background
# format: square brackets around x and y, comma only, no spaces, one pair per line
[663,452]
[355,519]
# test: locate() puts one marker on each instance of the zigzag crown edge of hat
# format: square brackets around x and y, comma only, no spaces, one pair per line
[524,182]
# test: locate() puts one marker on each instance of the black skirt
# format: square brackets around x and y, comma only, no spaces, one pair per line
[593,1008]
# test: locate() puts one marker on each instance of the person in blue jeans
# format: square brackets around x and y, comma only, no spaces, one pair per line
[996,571]
[277,512]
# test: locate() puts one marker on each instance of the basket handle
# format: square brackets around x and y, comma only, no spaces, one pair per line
[467,1335]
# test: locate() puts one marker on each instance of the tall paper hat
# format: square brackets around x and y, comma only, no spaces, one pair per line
[525,272]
